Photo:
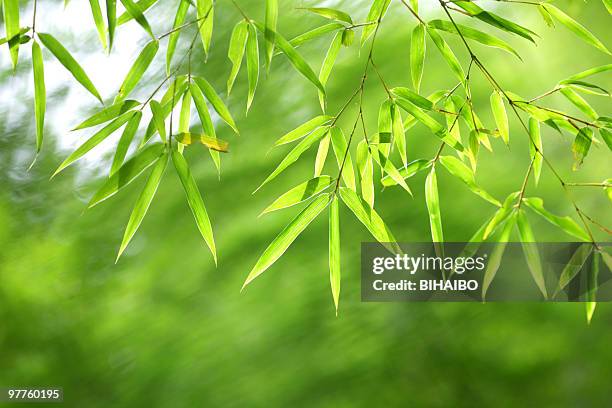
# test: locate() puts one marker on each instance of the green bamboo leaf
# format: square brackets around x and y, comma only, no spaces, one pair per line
[546,16]
[433,206]
[565,223]
[413,97]
[185,116]
[295,154]
[452,121]
[500,115]
[500,215]
[608,4]
[194,199]
[108,113]
[536,149]
[331,14]
[137,15]
[590,72]
[436,128]
[64,57]
[458,169]
[376,13]
[299,193]
[137,70]
[93,141]
[144,6]
[143,202]
[408,171]
[398,133]
[530,249]
[179,19]
[286,237]
[303,130]
[473,34]
[16,37]
[496,256]
[575,27]
[111,19]
[11,26]
[585,87]
[369,218]
[207,124]
[252,57]
[321,155]
[348,35]
[495,20]
[315,33]
[298,62]
[418,48]
[579,102]
[447,53]
[127,173]
[168,102]
[96,12]
[591,293]
[365,167]
[328,64]
[334,250]
[606,135]
[343,157]
[388,168]
[415,5]
[216,102]
[159,119]
[40,93]
[124,142]
[236,51]
[574,266]
[205,13]
[270,29]
[581,146]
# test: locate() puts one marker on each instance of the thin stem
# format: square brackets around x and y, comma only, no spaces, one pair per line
[34,17]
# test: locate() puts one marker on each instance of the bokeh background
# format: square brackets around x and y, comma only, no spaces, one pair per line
[164,327]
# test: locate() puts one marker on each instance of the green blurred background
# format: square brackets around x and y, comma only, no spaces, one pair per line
[164,327]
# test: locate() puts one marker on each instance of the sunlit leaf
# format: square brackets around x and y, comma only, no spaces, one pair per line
[286,237]
[331,14]
[159,118]
[270,28]
[137,70]
[194,199]
[590,72]
[252,57]
[574,265]
[315,33]
[96,12]
[581,146]
[303,130]
[213,143]
[565,223]
[216,102]
[530,249]
[111,18]
[365,168]
[127,173]
[179,18]
[185,115]
[417,55]
[497,254]
[413,97]
[321,155]
[40,93]
[546,16]
[580,103]
[591,293]
[495,20]
[500,115]
[408,171]
[108,113]
[64,57]
[143,202]
[606,135]
[536,149]
[236,51]
[343,157]
[137,15]
[11,26]
[500,215]
[447,53]
[458,169]
[144,6]
[376,13]
[398,132]
[124,142]
[207,124]
[433,206]
[328,64]
[300,193]
[334,250]
[205,13]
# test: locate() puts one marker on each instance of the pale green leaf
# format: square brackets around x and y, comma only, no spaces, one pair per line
[495,20]
[408,171]
[108,113]
[581,146]
[216,102]
[433,206]
[447,53]
[40,93]
[300,193]
[137,15]
[179,18]
[580,103]
[96,12]
[124,142]
[592,279]
[365,167]
[236,51]
[111,18]
[303,130]
[137,70]
[417,55]
[500,115]
[144,6]
[530,249]
[398,133]
[575,27]
[343,157]
[413,97]
[500,215]
[565,223]
[458,169]
[11,26]
[205,13]
[207,124]
[334,250]
[252,57]
[376,13]
[270,29]
[536,149]
[331,14]
[321,155]
[495,259]
[315,33]
[328,64]
[159,119]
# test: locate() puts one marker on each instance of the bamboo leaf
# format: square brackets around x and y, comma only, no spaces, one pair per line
[252,57]
[159,119]
[590,72]
[458,169]
[433,206]
[124,142]
[286,237]
[143,202]
[606,135]
[501,117]
[315,33]
[495,20]
[295,154]
[194,199]
[40,93]
[418,48]
[205,13]
[108,113]
[365,168]
[530,249]
[11,26]
[581,146]
[300,193]
[216,102]
[343,157]
[500,215]
[321,155]
[536,148]
[331,14]
[496,256]
[608,4]
[592,278]
[111,18]
[207,125]
[93,141]
[473,34]
[398,133]
[303,130]
[376,13]
[235,53]
[137,15]
[408,171]
[574,266]
[447,53]
[64,57]
[179,18]
[185,116]
[270,29]
[144,6]
[328,64]
[127,173]
[334,250]
[578,29]
[137,70]
[565,223]
[579,102]
[413,97]
[188,138]
[546,16]
[96,12]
